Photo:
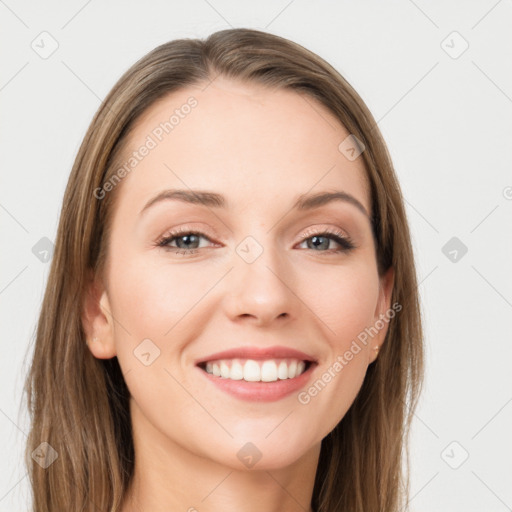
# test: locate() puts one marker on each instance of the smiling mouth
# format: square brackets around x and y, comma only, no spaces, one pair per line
[251,370]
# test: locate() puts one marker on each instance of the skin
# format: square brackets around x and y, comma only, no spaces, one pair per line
[261,149]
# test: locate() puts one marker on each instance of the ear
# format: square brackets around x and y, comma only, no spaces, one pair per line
[383,305]
[97,320]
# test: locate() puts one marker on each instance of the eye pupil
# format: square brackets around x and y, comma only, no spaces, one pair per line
[188,239]
[316,243]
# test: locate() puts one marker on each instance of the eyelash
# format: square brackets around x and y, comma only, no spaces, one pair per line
[344,241]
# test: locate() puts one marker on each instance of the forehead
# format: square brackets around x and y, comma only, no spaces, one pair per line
[244,138]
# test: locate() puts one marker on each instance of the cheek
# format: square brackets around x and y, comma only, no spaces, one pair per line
[155,307]
[344,300]
[167,303]
[151,298]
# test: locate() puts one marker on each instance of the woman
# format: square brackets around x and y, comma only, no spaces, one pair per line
[231,319]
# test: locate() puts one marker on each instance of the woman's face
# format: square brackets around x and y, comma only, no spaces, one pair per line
[240,269]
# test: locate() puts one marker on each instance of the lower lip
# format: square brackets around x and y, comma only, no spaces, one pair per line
[261,391]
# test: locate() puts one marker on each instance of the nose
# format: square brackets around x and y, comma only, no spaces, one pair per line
[261,292]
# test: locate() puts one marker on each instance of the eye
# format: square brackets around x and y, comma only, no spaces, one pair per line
[322,240]
[186,241]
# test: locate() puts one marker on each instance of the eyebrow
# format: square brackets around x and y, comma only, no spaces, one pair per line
[214,200]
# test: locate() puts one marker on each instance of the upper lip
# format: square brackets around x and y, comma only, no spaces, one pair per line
[258,353]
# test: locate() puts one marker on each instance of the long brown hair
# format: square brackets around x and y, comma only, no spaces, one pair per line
[79,404]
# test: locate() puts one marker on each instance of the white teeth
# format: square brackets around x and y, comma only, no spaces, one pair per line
[256,371]
[237,371]
[224,370]
[252,371]
[269,371]
[282,371]
[292,369]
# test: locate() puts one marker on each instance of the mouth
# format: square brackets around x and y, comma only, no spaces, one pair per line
[258,374]
[251,370]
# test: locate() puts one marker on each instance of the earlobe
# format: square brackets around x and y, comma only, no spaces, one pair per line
[374,354]
[97,322]
[101,349]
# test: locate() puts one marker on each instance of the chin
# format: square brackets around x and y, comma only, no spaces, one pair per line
[253,453]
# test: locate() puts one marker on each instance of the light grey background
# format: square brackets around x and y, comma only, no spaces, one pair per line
[446,117]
